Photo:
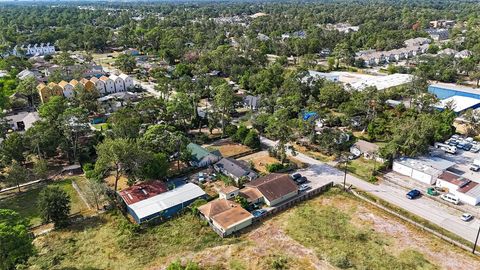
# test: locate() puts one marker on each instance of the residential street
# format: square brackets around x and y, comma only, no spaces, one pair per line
[435,212]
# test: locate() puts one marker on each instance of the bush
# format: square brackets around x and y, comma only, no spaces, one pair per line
[240,135]
[230,130]
[274,167]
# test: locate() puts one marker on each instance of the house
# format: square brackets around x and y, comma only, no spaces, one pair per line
[225,217]
[366,149]
[447,51]
[118,83]
[438,34]
[152,200]
[47,91]
[228,192]
[109,84]
[67,89]
[99,84]
[88,85]
[234,169]
[275,188]
[423,169]
[22,121]
[202,157]
[127,81]
[24,74]
[251,102]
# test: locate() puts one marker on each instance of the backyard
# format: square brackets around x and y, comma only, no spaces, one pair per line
[228,148]
[260,160]
[25,203]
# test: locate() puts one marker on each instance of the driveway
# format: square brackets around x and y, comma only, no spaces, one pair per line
[435,212]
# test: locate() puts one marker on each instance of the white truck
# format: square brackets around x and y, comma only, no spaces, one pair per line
[447,148]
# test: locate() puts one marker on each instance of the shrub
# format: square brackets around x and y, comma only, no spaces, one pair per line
[274,167]
[252,140]
[240,135]
[230,130]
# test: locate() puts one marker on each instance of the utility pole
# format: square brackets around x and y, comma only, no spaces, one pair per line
[476,240]
[345,175]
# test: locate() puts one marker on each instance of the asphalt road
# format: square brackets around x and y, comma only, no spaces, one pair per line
[437,213]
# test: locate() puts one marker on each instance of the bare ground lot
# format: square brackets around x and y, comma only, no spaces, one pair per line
[260,160]
[228,148]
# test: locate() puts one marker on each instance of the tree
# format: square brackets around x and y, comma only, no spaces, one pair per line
[17,175]
[16,244]
[242,201]
[252,140]
[28,87]
[74,124]
[122,156]
[240,134]
[54,205]
[126,63]
[224,99]
[95,191]
[13,148]
[53,109]
[40,168]
[155,167]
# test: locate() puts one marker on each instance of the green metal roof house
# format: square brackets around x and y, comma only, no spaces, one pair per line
[201,157]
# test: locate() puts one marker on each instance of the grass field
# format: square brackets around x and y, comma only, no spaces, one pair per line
[362,167]
[26,202]
[110,242]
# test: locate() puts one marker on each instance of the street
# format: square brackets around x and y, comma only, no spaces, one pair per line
[437,213]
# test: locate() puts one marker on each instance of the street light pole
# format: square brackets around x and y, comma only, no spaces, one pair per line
[476,240]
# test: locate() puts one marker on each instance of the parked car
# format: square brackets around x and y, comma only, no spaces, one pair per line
[467,147]
[432,192]
[453,142]
[295,176]
[466,217]
[301,180]
[450,198]
[474,167]
[303,187]
[414,193]
[259,213]
[461,145]
[475,148]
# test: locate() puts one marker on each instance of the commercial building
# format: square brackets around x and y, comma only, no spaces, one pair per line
[382,82]
[446,90]
[423,169]
[152,200]
[459,104]
[465,189]
[470,193]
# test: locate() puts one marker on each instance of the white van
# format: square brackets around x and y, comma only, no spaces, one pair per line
[449,197]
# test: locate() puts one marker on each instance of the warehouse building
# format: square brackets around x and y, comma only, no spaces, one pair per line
[459,104]
[470,193]
[465,189]
[423,169]
[152,200]
[445,90]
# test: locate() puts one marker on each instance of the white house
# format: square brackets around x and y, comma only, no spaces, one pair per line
[118,82]
[127,81]
[99,84]
[109,84]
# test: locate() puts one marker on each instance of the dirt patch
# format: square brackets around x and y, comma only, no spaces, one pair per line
[404,236]
[122,182]
[228,148]
[260,160]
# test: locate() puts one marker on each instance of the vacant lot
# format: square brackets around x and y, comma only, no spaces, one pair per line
[228,148]
[25,203]
[329,232]
[363,168]
[260,160]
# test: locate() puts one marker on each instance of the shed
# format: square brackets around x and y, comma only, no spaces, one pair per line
[155,205]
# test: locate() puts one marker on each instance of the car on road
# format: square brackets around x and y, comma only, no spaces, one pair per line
[432,192]
[303,187]
[414,193]
[466,217]
[259,213]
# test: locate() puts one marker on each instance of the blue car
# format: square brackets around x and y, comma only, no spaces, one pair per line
[259,213]
[412,194]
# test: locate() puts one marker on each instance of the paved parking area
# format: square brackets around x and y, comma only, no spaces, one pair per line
[462,159]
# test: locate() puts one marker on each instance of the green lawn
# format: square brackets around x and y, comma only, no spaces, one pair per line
[102,126]
[362,167]
[26,202]
[329,231]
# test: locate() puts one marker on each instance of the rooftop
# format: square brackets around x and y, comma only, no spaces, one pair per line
[198,152]
[235,167]
[383,82]
[454,179]
[455,87]
[142,191]
[430,164]
[228,189]
[457,103]
[471,189]
[251,194]
[166,200]
[365,146]
[216,207]
[225,213]
[274,185]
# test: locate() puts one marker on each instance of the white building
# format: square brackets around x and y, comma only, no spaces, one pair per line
[470,193]
[127,81]
[67,89]
[109,84]
[22,121]
[118,82]
[42,49]
[423,169]
[466,190]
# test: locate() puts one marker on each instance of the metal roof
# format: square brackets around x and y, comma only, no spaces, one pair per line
[458,103]
[166,200]
[431,165]
[383,82]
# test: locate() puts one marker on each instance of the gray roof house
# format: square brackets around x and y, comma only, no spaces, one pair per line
[251,102]
[234,169]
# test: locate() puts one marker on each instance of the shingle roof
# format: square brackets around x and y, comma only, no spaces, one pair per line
[274,186]
[366,147]
[225,213]
[250,193]
[234,167]
[216,207]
